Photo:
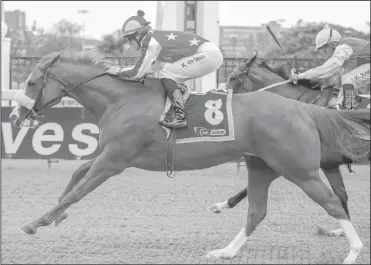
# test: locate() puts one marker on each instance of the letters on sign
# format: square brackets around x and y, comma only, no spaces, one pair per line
[60,137]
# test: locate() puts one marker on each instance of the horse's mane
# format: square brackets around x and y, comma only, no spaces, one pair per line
[284,72]
[84,57]
[278,70]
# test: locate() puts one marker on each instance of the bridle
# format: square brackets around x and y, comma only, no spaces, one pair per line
[47,73]
[36,110]
[66,87]
[240,81]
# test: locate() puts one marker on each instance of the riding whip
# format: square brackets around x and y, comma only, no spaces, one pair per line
[276,40]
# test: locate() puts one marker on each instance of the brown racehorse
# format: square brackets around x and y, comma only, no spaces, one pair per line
[288,136]
[251,76]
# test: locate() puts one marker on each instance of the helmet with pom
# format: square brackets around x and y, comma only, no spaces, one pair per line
[134,24]
[325,36]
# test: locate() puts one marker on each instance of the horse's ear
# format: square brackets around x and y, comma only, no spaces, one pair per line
[256,55]
[254,58]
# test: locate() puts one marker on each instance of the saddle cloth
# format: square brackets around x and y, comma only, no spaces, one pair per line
[209,117]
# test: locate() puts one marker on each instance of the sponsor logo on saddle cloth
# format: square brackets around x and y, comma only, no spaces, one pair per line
[209,117]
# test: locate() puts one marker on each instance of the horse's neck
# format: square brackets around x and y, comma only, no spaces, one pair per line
[290,91]
[97,95]
[298,92]
[93,95]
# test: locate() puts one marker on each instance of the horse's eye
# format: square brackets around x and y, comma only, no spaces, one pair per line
[31,83]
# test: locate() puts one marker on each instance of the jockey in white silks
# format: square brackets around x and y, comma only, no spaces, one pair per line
[176,56]
[350,53]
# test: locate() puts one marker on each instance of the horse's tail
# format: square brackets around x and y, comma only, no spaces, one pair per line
[348,131]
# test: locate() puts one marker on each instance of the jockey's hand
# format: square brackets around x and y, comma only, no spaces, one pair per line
[294,78]
[114,70]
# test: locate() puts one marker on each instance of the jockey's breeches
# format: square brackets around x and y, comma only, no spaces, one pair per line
[207,60]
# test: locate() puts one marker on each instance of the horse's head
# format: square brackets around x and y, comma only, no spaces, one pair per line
[42,89]
[251,76]
[45,86]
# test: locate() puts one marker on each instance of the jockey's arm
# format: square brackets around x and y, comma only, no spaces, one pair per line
[149,52]
[331,66]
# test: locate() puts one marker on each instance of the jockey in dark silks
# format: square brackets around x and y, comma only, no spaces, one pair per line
[176,56]
[351,53]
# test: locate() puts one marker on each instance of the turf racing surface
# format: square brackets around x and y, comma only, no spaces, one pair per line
[144,217]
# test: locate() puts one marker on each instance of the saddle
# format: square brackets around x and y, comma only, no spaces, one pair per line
[209,119]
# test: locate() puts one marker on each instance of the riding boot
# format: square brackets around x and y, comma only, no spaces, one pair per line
[349,96]
[176,98]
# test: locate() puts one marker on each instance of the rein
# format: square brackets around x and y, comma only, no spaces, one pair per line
[240,82]
[288,81]
[274,85]
[65,90]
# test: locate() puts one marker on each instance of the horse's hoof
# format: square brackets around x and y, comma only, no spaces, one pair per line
[214,208]
[337,232]
[60,219]
[219,254]
[28,229]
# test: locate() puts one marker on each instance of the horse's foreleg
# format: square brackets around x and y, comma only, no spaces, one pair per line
[102,169]
[260,178]
[76,177]
[335,179]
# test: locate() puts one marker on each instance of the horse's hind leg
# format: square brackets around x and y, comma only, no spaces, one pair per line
[260,178]
[76,177]
[230,203]
[335,179]
[319,192]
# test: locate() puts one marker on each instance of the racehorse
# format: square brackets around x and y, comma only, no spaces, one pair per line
[252,76]
[288,136]
[263,76]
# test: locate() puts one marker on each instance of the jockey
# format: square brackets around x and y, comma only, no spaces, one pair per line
[176,56]
[351,53]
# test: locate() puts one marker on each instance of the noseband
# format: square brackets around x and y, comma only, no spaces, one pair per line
[241,80]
